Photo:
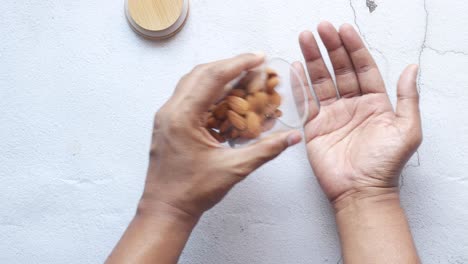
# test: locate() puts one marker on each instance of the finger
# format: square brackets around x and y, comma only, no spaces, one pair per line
[407,108]
[346,79]
[311,101]
[366,69]
[205,84]
[253,156]
[320,77]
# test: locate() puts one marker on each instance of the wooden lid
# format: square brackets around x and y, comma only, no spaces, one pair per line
[157,18]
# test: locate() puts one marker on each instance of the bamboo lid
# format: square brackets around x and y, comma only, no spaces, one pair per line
[157,19]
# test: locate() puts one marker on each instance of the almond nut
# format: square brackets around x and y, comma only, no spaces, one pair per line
[261,101]
[278,113]
[220,111]
[275,99]
[269,111]
[248,135]
[212,107]
[256,84]
[252,100]
[234,134]
[212,123]
[270,72]
[237,120]
[238,104]
[271,84]
[253,123]
[225,126]
[249,109]
[238,92]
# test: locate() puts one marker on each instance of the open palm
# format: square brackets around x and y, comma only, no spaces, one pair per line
[356,141]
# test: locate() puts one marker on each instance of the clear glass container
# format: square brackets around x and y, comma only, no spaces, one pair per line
[296,97]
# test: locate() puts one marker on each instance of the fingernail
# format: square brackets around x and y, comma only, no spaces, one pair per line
[294,138]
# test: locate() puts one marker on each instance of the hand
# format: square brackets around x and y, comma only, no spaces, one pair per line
[356,143]
[189,171]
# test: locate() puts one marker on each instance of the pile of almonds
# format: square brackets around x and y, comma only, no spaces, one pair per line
[249,109]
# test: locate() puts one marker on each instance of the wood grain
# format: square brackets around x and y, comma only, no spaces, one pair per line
[155,15]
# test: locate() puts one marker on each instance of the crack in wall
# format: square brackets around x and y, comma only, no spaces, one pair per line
[418,159]
[402,176]
[364,38]
[445,52]
[423,45]
[421,51]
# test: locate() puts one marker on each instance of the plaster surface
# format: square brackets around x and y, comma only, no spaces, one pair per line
[78,90]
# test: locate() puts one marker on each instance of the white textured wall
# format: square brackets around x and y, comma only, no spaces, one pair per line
[78,90]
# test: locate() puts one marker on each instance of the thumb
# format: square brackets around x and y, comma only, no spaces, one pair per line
[408,97]
[253,156]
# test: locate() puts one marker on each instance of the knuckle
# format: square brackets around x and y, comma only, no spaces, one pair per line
[272,150]
[200,68]
[208,72]
[365,67]
[218,74]
[154,151]
[184,78]
[241,167]
[343,70]
[242,171]
[244,56]
[159,117]
[215,73]
[171,122]
[175,124]
[211,71]
[320,79]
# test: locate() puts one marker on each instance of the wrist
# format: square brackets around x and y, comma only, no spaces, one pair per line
[157,234]
[151,210]
[373,228]
[367,198]
[375,210]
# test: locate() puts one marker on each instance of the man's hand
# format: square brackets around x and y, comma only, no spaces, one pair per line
[189,171]
[357,145]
